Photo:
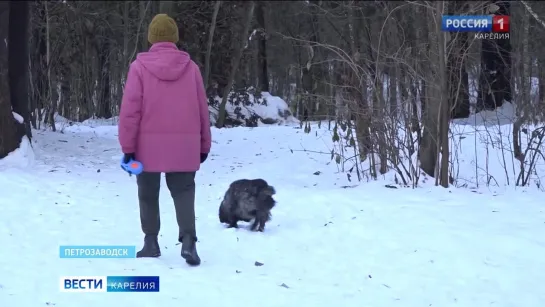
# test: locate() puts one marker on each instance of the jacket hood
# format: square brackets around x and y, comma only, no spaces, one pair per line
[164,61]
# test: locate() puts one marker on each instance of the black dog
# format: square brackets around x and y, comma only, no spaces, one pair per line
[246,200]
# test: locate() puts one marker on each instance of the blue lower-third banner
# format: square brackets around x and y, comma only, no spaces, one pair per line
[97,251]
[109,284]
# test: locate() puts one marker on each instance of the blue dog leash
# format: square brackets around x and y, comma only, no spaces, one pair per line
[132,167]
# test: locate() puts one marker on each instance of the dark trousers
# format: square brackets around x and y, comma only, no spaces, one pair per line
[182,190]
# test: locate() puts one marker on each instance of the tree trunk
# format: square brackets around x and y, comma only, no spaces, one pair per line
[444,99]
[104,103]
[263,75]
[209,45]
[316,67]
[236,60]
[18,38]
[39,77]
[541,86]
[362,113]
[457,50]
[10,134]
[418,88]
[144,5]
[495,78]
[392,92]
[429,143]
[391,42]
[65,91]
[126,34]
[52,103]
[523,107]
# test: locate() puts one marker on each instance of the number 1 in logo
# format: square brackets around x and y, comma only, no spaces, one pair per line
[500,24]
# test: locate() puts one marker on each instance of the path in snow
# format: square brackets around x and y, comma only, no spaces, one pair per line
[363,246]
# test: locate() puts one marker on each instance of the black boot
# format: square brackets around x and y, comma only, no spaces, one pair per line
[151,248]
[189,250]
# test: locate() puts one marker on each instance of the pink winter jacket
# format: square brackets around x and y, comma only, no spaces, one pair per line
[164,116]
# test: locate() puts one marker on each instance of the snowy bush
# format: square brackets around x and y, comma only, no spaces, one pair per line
[481,153]
[250,109]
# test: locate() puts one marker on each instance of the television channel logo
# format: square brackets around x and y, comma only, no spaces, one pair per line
[97,251]
[476,23]
[95,284]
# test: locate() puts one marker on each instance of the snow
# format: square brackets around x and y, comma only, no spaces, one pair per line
[18,117]
[330,242]
[274,106]
[23,157]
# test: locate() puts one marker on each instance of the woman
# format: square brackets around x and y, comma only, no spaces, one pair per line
[164,124]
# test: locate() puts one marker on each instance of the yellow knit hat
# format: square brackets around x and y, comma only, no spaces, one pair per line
[163,29]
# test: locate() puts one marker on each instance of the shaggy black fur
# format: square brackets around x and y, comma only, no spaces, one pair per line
[247,199]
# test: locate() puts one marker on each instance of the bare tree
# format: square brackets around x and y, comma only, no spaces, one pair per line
[236,60]
[13,84]
[217,6]
[19,18]
[457,51]
[495,78]
[263,72]
[444,115]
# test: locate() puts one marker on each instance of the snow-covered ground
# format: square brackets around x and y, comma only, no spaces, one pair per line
[330,243]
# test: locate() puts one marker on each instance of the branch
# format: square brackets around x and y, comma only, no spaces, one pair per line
[529,9]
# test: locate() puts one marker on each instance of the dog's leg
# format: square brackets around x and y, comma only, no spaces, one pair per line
[232,219]
[260,220]
[262,225]
[233,224]
[255,224]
